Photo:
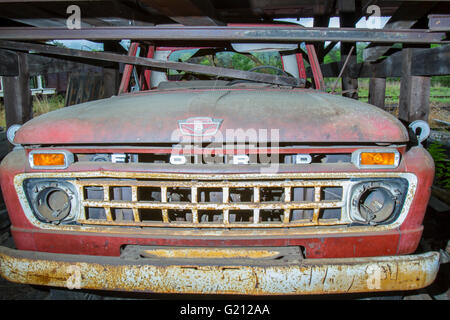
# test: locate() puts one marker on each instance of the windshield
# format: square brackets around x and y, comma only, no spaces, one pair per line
[226,59]
[248,65]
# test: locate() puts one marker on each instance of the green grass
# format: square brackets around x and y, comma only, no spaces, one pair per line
[439,98]
[46,104]
[439,93]
[41,105]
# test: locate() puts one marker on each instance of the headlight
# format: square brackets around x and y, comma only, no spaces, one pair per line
[378,201]
[52,201]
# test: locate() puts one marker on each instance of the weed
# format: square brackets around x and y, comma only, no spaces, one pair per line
[437,151]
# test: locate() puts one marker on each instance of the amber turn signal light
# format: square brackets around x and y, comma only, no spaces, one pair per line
[376,158]
[50,159]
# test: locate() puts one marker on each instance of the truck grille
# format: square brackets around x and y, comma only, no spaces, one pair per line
[213,204]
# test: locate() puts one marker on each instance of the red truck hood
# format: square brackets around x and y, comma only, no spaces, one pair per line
[300,115]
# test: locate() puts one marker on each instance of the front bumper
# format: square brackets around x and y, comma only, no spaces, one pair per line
[309,276]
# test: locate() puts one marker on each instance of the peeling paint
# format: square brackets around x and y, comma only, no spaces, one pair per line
[210,253]
[311,276]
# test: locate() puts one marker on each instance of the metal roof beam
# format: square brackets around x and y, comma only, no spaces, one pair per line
[237,34]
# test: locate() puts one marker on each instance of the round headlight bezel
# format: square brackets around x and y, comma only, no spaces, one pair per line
[394,191]
[38,191]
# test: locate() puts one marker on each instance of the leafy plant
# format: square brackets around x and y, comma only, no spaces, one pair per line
[437,151]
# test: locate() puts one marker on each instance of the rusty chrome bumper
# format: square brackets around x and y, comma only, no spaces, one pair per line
[309,276]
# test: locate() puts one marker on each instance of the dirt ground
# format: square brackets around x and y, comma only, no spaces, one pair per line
[435,237]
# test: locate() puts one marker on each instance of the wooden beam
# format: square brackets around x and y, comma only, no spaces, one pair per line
[439,22]
[31,1]
[39,65]
[321,21]
[346,6]
[377,92]
[37,16]
[9,65]
[17,94]
[319,7]
[186,12]
[426,62]
[414,92]
[111,75]
[349,84]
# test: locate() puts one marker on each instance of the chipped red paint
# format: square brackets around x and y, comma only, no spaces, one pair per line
[419,161]
[301,66]
[403,240]
[104,244]
[315,67]
[300,116]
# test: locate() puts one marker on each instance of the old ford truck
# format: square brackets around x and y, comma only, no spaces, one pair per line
[193,183]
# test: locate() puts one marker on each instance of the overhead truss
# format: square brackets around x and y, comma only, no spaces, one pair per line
[233,33]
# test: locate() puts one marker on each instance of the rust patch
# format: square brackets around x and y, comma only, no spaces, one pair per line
[311,276]
[210,253]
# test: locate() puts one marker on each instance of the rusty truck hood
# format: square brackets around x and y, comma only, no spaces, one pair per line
[300,115]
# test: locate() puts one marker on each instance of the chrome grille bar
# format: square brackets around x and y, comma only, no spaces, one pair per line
[213,206]
[210,184]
